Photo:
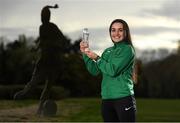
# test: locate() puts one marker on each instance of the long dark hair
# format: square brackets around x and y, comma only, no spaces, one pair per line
[125,27]
[129,41]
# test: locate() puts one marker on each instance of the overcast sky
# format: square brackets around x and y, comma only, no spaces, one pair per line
[153,23]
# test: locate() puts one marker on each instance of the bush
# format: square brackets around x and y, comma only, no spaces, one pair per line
[58,92]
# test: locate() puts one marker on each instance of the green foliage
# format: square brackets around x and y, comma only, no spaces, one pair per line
[162,77]
[158,78]
[178,49]
[78,80]
[141,87]
[17,61]
[58,92]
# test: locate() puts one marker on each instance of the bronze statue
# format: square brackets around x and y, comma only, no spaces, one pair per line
[49,65]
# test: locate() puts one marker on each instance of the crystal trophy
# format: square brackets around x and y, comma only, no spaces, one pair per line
[86,38]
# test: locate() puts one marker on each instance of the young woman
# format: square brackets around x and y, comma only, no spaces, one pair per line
[116,66]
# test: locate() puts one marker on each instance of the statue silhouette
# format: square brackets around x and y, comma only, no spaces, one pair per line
[49,65]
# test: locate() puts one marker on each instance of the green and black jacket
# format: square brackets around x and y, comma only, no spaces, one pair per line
[116,66]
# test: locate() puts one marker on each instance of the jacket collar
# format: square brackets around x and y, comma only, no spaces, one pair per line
[117,44]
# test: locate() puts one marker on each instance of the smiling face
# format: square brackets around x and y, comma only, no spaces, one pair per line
[117,32]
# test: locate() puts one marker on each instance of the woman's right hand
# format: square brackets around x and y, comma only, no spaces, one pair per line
[83,46]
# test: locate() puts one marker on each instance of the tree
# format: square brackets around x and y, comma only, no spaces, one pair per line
[2,62]
[18,61]
[163,77]
[178,48]
[17,64]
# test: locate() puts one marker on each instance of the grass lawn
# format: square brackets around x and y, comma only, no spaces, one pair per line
[88,109]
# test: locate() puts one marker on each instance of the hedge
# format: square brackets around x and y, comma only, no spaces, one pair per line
[57,92]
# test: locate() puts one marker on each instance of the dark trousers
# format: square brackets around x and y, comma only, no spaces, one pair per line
[119,110]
